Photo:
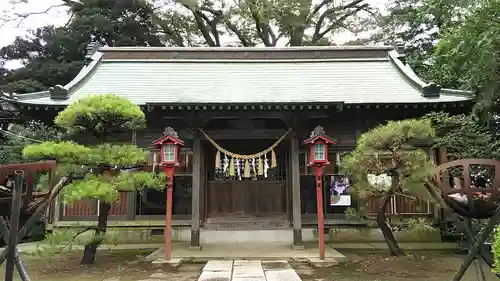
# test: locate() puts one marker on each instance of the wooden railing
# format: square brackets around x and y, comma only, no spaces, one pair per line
[31,170]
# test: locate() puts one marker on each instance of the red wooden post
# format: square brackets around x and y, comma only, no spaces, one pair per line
[321,218]
[318,157]
[168,217]
[169,145]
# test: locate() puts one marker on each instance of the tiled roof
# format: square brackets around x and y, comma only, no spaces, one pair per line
[375,79]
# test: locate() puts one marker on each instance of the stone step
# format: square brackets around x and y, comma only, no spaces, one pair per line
[248,270]
[258,235]
[243,226]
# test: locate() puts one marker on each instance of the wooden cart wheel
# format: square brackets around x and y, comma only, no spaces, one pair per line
[464,194]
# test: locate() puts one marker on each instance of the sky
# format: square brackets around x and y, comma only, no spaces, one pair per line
[58,16]
[10,30]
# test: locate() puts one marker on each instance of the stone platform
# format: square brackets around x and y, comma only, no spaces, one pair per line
[247,251]
[248,270]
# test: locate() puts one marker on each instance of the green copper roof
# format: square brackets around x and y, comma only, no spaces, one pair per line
[332,77]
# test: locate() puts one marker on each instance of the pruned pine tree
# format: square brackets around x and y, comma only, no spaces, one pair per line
[390,149]
[101,165]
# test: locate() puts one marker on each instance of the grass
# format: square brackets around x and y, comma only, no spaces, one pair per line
[122,265]
[127,265]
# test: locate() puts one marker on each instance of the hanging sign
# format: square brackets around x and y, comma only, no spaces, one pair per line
[338,191]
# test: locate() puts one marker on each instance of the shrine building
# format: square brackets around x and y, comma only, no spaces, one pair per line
[243,114]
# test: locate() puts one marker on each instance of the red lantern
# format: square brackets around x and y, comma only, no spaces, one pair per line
[169,145]
[318,157]
[318,147]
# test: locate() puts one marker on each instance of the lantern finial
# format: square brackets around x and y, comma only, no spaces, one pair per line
[169,131]
[317,131]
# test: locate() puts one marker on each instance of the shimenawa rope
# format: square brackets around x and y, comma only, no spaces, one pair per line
[245,157]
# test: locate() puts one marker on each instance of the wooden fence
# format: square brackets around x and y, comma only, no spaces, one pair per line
[90,208]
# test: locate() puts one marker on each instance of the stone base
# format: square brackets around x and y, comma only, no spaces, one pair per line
[194,248]
[327,262]
[299,248]
[173,262]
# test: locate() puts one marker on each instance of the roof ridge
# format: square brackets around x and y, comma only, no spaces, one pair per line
[246,49]
[237,60]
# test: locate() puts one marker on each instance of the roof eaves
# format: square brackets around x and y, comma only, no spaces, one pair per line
[454,92]
[24,98]
[59,92]
[34,95]
[428,90]
[85,73]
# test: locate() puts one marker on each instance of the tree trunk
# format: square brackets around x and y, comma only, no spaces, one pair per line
[386,230]
[102,223]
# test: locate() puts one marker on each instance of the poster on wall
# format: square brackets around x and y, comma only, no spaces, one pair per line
[339,186]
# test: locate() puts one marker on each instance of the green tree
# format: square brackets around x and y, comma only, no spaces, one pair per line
[464,137]
[468,56]
[54,55]
[100,116]
[420,24]
[19,136]
[390,150]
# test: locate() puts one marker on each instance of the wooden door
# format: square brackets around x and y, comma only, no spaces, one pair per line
[246,198]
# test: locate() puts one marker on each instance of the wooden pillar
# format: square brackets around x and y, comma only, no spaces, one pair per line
[434,208]
[442,155]
[295,183]
[196,187]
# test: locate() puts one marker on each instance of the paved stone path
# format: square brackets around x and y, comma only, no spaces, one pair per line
[248,270]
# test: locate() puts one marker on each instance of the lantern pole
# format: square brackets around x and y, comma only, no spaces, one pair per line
[168,218]
[170,138]
[319,137]
[319,203]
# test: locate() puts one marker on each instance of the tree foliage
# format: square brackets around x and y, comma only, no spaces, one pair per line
[100,165]
[71,152]
[463,137]
[420,24]
[19,136]
[390,149]
[53,55]
[100,115]
[467,54]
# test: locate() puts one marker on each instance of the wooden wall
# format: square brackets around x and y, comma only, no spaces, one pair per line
[87,209]
[345,126]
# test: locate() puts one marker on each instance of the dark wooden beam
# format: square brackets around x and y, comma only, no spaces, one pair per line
[206,116]
[245,134]
[196,187]
[295,182]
